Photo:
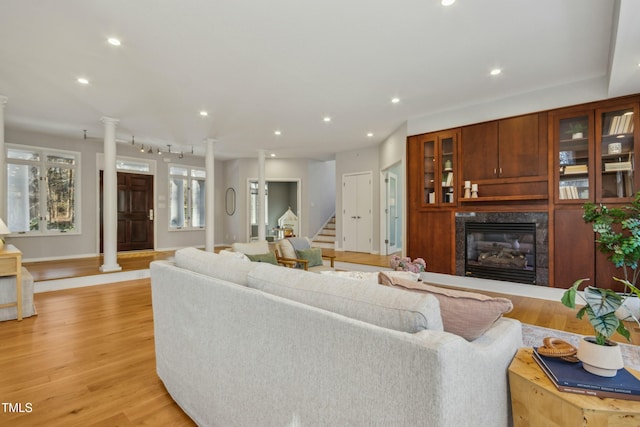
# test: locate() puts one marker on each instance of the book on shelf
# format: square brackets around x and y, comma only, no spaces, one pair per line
[449,182]
[571,377]
[575,169]
[568,192]
[621,124]
[617,166]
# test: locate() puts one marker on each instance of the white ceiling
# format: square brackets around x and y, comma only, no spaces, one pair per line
[258,66]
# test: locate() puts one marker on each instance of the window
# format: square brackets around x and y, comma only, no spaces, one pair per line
[42,190]
[186,197]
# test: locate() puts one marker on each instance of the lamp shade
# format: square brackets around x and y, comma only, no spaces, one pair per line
[3,228]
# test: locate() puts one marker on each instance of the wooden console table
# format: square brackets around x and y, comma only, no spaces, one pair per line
[11,265]
[537,402]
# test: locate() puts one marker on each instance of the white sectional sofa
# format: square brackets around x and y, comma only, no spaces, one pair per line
[251,344]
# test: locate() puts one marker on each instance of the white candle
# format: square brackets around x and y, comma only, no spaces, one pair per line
[467,184]
[474,187]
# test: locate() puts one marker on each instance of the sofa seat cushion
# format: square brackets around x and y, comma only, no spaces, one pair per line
[467,314]
[218,266]
[356,299]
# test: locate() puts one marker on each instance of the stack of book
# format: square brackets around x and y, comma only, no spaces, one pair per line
[571,377]
[621,124]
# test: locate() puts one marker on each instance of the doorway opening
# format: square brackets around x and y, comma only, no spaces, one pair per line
[281,195]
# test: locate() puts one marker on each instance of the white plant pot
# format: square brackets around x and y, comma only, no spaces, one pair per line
[629,309]
[577,135]
[602,360]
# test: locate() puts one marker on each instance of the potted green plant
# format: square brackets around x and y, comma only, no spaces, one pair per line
[576,130]
[599,355]
[618,237]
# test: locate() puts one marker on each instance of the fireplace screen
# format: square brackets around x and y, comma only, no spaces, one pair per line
[501,251]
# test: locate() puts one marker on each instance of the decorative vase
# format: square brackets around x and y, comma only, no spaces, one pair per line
[602,360]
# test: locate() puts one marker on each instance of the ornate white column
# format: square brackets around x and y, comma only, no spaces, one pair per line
[110,201]
[209,196]
[3,166]
[262,197]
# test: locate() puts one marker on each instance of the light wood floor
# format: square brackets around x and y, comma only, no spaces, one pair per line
[87,358]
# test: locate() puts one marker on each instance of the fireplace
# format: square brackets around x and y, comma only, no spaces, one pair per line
[533,249]
[503,251]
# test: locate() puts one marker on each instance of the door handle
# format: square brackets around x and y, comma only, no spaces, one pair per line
[150,214]
[353,217]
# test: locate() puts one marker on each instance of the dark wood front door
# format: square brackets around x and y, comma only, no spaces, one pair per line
[135,212]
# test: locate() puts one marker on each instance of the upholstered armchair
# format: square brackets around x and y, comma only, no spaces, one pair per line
[298,252]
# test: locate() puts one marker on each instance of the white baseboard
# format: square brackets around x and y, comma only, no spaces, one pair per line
[96,279]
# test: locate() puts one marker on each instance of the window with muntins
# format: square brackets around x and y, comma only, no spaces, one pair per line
[42,190]
[186,197]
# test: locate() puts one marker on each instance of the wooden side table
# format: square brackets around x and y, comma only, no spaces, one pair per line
[535,401]
[11,265]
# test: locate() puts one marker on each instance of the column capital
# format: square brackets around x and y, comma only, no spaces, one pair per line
[109,120]
[3,100]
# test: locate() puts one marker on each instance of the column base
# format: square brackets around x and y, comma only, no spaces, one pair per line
[104,268]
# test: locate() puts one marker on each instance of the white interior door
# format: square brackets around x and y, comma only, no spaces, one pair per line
[357,216]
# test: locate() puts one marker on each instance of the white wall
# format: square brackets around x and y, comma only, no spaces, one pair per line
[511,105]
[312,179]
[86,243]
[362,160]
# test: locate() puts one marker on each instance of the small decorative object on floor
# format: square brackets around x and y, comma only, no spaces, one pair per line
[418,265]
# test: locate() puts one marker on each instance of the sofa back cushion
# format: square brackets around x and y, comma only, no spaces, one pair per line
[385,307]
[467,314]
[221,267]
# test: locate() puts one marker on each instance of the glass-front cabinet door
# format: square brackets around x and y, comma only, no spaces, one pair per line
[439,184]
[429,171]
[573,135]
[615,144]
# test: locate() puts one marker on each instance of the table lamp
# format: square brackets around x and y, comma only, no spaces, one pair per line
[4,230]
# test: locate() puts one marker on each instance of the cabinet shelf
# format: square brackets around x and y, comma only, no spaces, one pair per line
[519,197]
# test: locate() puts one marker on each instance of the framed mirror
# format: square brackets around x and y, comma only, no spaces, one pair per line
[230,201]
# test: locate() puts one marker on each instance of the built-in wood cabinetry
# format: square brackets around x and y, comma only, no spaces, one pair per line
[552,161]
[433,192]
[506,158]
[594,161]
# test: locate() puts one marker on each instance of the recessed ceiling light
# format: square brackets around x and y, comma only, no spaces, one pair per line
[113,41]
[277,132]
[495,71]
[395,100]
[447,2]
[83,81]
[370,134]
[204,113]
[327,119]
[272,154]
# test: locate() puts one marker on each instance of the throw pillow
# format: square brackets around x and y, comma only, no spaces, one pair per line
[467,314]
[269,257]
[313,255]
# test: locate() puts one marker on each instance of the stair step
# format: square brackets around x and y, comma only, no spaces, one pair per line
[327,245]
[322,238]
[326,232]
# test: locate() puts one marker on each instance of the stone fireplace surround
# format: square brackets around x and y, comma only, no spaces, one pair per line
[541,220]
